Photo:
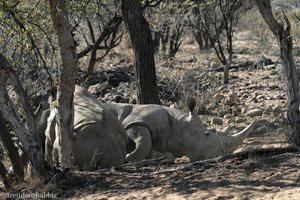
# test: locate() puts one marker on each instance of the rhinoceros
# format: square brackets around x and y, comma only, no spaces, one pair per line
[100,138]
[163,131]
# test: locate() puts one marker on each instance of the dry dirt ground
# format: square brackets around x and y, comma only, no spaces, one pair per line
[262,173]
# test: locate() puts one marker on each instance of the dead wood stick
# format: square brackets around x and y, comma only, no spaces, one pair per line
[153,161]
[240,155]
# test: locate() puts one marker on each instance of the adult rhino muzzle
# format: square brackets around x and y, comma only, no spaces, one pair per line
[225,143]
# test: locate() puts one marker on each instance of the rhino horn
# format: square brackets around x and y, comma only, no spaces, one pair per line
[238,138]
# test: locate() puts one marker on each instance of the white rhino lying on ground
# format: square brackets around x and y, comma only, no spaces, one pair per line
[100,139]
[162,131]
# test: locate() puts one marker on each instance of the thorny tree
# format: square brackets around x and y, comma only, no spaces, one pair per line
[168,23]
[65,91]
[26,133]
[285,44]
[96,26]
[214,23]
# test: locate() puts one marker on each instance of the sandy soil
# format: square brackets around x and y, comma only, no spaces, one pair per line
[265,176]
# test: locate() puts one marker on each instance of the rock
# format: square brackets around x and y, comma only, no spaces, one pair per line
[210,112]
[223,87]
[254,100]
[245,96]
[254,86]
[261,96]
[244,109]
[228,116]
[265,77]
[217,121]
[273,87]
[224,111]
[217,98]
[255,112]
[231,100]
[225,91]
[98,89]
[270,67]
[275,109]
[240,120]
[212,106]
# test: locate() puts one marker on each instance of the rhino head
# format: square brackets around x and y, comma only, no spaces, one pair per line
[205,144]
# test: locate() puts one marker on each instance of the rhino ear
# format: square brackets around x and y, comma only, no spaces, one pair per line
[191,104]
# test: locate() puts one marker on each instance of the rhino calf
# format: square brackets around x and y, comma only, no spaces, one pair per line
[100,139]
[159,130]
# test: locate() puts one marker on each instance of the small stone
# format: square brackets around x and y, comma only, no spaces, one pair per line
[255,112]
[265,77]
[228,116]
[254,100]
[212,106]
[273,87]
[211,112]
[217,121]
[270,67]
[240,120]
[223,87]
[245,96]
[244,109]
[218,98]
[261,97]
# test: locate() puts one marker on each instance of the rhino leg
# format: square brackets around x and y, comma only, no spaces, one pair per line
[142,138]
[48,151]
[56,149]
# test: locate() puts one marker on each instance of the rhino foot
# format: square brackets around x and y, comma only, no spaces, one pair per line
[143,143]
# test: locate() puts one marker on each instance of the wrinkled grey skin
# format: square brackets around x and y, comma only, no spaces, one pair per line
[100,139]
[162,131]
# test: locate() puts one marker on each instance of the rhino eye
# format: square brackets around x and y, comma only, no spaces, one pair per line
[206,133]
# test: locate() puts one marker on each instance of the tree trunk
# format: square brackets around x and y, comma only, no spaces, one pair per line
[65,91]
[291,76]
[3,174]
[226,73]
[199,39]
[12,150]
[25,134]
[142,43]
[110,27]
[230,56]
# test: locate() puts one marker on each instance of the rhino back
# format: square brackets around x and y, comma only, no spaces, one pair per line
[119,110]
